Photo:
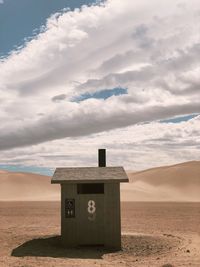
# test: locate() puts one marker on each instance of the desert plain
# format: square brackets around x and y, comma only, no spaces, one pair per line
[159,227]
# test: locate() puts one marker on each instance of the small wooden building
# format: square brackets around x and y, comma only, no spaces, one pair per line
[90,204]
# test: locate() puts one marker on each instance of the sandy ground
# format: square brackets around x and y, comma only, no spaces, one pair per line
[154,234]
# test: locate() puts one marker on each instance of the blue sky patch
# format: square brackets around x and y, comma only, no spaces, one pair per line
[29,169]
[104,94]
[21,19]
[179,119]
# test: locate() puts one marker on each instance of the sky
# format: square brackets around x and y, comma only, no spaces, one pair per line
[20,20]
[76,76]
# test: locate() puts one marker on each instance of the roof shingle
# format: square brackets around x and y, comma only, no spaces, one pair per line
[89,175]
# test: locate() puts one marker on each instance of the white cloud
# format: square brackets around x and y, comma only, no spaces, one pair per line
[151,48]
[135,147]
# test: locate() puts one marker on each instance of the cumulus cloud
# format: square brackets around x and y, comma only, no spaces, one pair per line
[150,48]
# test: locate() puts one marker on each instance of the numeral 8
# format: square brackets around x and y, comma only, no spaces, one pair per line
[91,206]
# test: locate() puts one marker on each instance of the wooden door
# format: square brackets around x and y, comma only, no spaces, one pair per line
[91,219]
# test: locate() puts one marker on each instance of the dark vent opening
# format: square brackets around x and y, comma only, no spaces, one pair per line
[90,188]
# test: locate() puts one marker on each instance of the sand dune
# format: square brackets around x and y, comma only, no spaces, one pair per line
[180,182]
[183,174]
[26,186]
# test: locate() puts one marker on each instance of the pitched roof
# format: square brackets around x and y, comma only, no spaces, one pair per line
[89,175]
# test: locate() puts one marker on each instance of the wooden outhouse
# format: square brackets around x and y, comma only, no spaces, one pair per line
[90,204]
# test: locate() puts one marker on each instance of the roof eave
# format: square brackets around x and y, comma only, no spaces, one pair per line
[89,181]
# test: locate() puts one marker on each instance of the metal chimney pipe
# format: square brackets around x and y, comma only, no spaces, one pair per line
[102,157]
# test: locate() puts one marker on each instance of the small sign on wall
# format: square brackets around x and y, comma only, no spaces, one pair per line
[69,208]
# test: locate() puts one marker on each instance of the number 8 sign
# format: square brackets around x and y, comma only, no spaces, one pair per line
[91,206]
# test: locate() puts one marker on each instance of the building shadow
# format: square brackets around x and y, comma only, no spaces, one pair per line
[52,247]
